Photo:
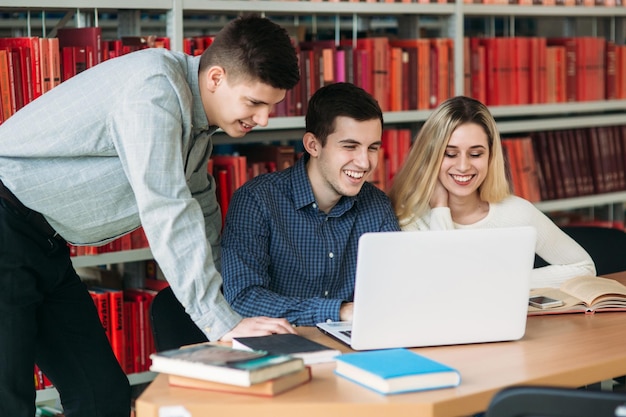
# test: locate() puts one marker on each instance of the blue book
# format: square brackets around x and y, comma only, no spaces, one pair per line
[393,371]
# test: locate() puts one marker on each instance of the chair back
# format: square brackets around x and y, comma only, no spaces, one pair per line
[605,245]
[171,325]
[538,401]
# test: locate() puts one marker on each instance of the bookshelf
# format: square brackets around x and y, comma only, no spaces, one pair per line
[179,17]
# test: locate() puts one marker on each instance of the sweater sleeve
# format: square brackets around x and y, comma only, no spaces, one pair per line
[566,258]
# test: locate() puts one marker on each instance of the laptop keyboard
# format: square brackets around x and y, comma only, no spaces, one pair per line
[346,332]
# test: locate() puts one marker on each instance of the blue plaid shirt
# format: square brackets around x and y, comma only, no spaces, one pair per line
[283,257]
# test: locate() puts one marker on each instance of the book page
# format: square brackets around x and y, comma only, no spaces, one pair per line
[592,289]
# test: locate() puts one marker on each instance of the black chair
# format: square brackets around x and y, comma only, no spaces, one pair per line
[537,401]
[605,245]
[171,325]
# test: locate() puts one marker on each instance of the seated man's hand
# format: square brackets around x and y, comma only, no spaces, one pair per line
[258,326]
[345,311]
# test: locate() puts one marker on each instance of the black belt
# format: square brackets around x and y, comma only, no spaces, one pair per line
[34,218]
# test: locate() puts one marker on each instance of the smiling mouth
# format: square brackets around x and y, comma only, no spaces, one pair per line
[357,175]
[245,125]
[462,178]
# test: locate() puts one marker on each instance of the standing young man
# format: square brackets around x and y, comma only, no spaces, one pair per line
[290,239]
[120,145]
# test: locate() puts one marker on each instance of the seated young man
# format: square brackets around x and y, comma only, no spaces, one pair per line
[290,239]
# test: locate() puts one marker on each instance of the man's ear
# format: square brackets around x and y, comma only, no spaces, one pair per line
[214,77]
[311,144]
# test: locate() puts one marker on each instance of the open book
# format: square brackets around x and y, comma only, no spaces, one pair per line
[585,294]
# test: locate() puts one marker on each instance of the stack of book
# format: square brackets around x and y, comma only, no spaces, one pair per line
[220,368]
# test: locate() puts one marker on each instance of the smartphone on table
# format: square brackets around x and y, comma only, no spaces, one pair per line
[541,301]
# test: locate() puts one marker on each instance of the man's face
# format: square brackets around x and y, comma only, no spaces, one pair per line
[346,161]
[239,107]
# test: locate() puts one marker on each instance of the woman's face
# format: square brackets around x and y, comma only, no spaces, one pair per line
[465,161]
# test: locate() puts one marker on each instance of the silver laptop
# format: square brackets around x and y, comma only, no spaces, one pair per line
[439,288]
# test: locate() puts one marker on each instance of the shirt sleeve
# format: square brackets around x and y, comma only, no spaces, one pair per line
[566,257]
[246,268]
[148,131]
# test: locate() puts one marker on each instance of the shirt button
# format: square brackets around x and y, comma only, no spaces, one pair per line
[314,205]
[331,255]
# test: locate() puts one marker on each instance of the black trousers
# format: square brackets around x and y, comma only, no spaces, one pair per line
[47,317]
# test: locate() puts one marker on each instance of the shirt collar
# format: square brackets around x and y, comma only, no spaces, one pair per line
[199,119]
[303,192]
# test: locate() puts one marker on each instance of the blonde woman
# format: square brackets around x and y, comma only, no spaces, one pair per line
[454,178]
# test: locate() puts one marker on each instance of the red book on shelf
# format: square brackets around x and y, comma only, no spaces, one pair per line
[441,59]
[55,61]
[620,156]
[101,301]
[307,81]
[44,65]
[316,62]
[116,335]
[143,331]
[505,70]
[397,80]
[82,37]
[620,71]
[512,160]
[610,90]
[377,48]
[528,169]
[597,163]
[5,85]
[582,149]
[132,351]
[565,158]
[569,141]
[546,175]
[521,70]
[571,65]
[492,71]
[478,70]
[68,63]
[31,64]
[418,78]
[607,155]
[467,68]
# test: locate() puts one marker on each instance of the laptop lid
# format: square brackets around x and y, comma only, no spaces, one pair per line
[440,288]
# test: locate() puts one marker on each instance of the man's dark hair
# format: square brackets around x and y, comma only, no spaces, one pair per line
[339,99]
[251,47]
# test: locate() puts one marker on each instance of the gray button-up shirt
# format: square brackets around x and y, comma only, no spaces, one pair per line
[125,144]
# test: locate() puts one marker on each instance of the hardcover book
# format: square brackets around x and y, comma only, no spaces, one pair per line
[394,371]
[288,344]
[224,364]
[268,388]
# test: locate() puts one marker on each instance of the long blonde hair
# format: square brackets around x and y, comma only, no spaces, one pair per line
[414,183]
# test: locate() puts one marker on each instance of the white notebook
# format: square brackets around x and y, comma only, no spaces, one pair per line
[439,288]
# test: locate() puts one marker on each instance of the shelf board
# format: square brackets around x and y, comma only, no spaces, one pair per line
[88,5]
[317,8]
[112,258]
[540,11]
[582,202]
[510,119]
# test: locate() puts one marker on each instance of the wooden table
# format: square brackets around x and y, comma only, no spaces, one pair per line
[569,350]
